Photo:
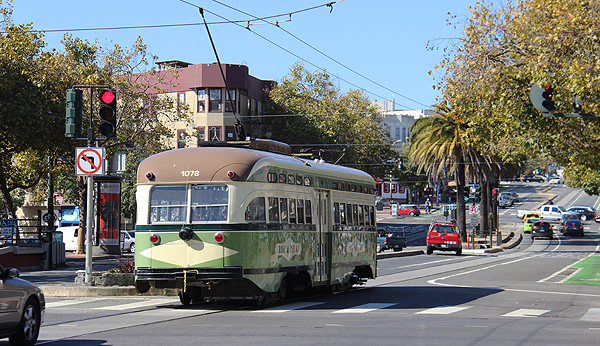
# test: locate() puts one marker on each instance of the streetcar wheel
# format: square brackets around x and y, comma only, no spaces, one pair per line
[185,298]
[282,290]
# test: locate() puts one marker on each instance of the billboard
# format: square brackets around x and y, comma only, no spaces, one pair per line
[109,212]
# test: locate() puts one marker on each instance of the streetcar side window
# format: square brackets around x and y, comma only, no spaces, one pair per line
[300,204]
[273,210]
[308,211]
[255,211]
[209,202]
[292,210]
[372,216]
[168,204]
[298,180]
[349,213]
[282,178]
[343,213]
[291,179]
[272,177]
[283,207]
[367,221]
[355,213]
[336,213]
[361,217]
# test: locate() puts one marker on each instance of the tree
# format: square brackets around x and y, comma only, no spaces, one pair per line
[507,48]
[323,118]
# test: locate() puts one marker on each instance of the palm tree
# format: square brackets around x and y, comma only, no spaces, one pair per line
[437,148]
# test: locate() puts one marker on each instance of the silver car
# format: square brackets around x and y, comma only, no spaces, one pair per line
[22,308]
[128,241]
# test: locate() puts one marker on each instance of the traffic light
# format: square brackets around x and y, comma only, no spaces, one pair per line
[108,112]
[73,113]
[467,191]
[495,196]
[542,98]
[478,194]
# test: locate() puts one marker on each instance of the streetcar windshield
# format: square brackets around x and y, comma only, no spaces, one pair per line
[168,204]
[209,202]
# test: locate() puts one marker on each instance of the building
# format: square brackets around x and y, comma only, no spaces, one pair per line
[399,122]
[202,89]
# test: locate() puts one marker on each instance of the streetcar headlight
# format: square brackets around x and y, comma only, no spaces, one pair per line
[219,237]
[154,238]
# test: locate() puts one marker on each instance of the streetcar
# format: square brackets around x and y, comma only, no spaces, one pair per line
[251,223]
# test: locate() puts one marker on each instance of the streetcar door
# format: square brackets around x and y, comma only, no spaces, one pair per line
[322,237]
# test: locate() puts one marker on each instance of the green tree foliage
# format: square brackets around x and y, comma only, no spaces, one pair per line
[319,116]
[504,50]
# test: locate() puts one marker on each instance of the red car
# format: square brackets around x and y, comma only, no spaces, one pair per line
[444,237]
[408,209]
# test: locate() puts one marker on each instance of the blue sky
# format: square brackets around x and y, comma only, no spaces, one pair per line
[383,40]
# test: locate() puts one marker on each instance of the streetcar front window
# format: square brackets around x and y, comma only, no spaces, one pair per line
[168,204]
[209,202]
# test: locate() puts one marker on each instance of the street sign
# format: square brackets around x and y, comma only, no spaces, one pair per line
[90,161]
[474,209]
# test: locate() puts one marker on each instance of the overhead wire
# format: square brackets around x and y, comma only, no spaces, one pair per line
[322,53]
[286,50]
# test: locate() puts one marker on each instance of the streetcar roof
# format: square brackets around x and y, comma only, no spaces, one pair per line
[213,164]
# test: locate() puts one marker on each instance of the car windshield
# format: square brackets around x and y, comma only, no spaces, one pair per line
[561,208]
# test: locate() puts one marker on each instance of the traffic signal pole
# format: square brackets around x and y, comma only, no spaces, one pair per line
[90,190]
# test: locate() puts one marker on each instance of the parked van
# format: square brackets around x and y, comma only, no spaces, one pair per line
[69,237]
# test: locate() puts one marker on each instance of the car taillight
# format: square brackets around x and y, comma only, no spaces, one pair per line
[154,238]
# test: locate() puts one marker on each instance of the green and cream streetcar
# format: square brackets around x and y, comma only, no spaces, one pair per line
[222,222]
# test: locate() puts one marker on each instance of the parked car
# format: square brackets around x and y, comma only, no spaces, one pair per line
[396,239]
[542,229]
[128,241]
[585,213]
[528,223]
[22,307]
[572,226]
[443,236]
[408,209]
[69,234]
[554,180]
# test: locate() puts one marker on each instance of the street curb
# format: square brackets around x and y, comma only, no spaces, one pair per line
[400,254]
[56,291]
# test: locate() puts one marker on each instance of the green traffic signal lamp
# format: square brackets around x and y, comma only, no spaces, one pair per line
[74,113]
[108,112]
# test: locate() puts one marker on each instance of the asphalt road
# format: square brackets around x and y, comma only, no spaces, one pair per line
[524,296]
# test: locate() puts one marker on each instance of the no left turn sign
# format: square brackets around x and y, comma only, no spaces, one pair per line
[90,161]
[474,209]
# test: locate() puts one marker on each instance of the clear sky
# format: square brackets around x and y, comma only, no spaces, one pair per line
[382,40]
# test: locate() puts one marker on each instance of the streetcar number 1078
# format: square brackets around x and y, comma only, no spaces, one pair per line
[190,173]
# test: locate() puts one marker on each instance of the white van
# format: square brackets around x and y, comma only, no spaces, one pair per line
[69,237]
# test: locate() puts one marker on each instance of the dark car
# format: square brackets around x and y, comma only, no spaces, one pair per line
[21,308]
[542,229]
[572,227]
[585,213]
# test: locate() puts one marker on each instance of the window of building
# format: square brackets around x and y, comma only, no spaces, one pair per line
[180,101]
[397,133]
[255,211]
[229,133]
[386,188]
[215,133]
[394,188]
[200,135]
[181,138]
[215,100]
[229,104]
[404,138]
[201,100]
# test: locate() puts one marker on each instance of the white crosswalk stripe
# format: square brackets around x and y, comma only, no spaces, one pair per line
[443,310]
[137,305]
[526,313]
[592,314]
[361,309]
[69,302]
[290,307]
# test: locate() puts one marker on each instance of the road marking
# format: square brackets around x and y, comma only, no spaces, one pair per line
[290,307]
[142,304]
[443,310]
[67,303]
[592,314]
[526,313]
[361,309]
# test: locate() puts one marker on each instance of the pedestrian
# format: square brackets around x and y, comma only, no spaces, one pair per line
[428,206]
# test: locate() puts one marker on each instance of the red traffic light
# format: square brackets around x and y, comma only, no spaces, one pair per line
[107,96]
[494,191]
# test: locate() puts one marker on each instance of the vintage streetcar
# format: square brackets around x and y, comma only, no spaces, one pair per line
[251,223]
